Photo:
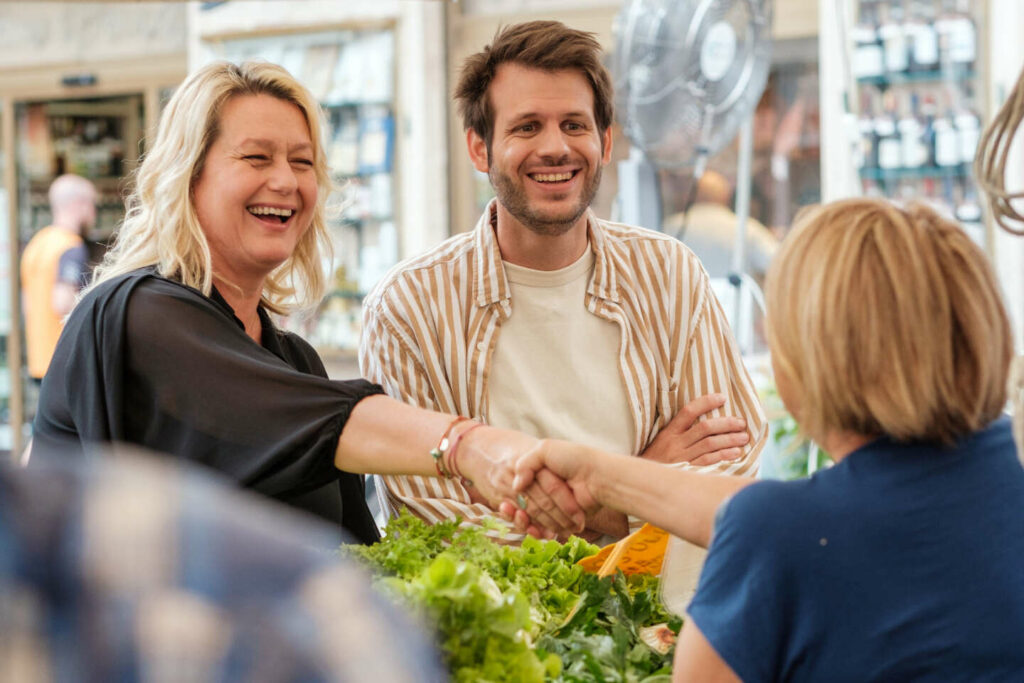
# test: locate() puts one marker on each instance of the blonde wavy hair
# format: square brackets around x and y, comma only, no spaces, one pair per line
[161,227]
[887,321]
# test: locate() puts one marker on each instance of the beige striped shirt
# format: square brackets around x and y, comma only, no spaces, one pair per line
[430,328]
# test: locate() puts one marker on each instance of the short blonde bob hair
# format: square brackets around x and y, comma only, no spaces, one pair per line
[887,321]
[161,227]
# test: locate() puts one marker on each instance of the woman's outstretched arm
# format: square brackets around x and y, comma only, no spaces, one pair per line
[385,436]
[683,503]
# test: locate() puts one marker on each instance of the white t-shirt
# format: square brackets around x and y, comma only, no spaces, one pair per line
[555,369]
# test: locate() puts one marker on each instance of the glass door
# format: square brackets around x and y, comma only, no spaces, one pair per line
[96,138]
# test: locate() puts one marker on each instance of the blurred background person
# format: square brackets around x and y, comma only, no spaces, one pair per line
[709,228]
[54,268]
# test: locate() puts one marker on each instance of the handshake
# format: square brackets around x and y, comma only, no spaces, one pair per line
[553,489]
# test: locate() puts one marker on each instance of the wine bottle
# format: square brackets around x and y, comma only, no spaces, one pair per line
[944,26]
[867,51]
[913,153]
[928,112]
[964,39]
[924,53]
[868,154]
[958,38]
[889,152]
[894,40]
[968,130]
[947,146]
[968,214]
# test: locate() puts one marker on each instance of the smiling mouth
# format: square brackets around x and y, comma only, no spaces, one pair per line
[271,213]
[552,177]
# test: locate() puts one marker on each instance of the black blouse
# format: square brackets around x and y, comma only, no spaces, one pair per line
[148,361]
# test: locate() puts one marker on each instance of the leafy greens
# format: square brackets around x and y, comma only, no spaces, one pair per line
[522,613]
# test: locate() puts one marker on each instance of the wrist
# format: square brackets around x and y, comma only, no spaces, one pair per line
[461,459]
[439,453]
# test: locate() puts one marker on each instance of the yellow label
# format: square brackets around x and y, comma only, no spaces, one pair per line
[642,552]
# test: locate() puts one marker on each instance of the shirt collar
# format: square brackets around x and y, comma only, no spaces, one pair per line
[491,284]
[268,332]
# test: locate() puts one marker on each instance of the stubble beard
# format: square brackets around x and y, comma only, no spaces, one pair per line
[513,197]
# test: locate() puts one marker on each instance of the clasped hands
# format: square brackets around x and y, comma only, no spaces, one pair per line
[548,491]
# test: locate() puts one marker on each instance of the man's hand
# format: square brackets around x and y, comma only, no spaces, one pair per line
[687,438]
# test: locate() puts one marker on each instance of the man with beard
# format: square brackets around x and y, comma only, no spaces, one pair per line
[545,318]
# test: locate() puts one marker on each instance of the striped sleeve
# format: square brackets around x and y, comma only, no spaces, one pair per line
[393,353]
[712,363]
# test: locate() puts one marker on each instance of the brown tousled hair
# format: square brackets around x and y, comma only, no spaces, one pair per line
[546,45]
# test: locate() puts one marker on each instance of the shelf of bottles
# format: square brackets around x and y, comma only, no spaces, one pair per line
[916,66]
[88,137]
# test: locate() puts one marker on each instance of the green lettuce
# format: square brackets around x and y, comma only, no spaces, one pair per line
[524,613]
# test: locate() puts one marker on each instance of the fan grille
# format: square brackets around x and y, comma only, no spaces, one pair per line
[687,72]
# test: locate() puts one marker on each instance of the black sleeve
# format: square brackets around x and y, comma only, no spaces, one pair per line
[197,386]
[72,268]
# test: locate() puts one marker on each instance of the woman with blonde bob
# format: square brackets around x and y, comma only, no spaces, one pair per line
[173,347]
[891,348]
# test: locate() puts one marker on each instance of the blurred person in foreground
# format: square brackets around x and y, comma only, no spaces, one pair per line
[173,347]
[891,348]
[545,318]
[54,268]
[138,569]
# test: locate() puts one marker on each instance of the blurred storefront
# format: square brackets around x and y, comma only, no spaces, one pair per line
[80,85]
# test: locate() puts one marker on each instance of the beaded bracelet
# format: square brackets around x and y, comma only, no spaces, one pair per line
[438,452]
[453,465]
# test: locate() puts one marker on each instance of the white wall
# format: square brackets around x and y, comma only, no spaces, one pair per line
[40,33]
[1006,59]
[838,177]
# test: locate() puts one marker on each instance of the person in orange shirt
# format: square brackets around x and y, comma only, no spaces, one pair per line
[53,268]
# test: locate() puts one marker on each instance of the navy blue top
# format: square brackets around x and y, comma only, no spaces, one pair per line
[902,562]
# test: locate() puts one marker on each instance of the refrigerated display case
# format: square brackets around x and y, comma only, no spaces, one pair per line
[97,138]
[93,138]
